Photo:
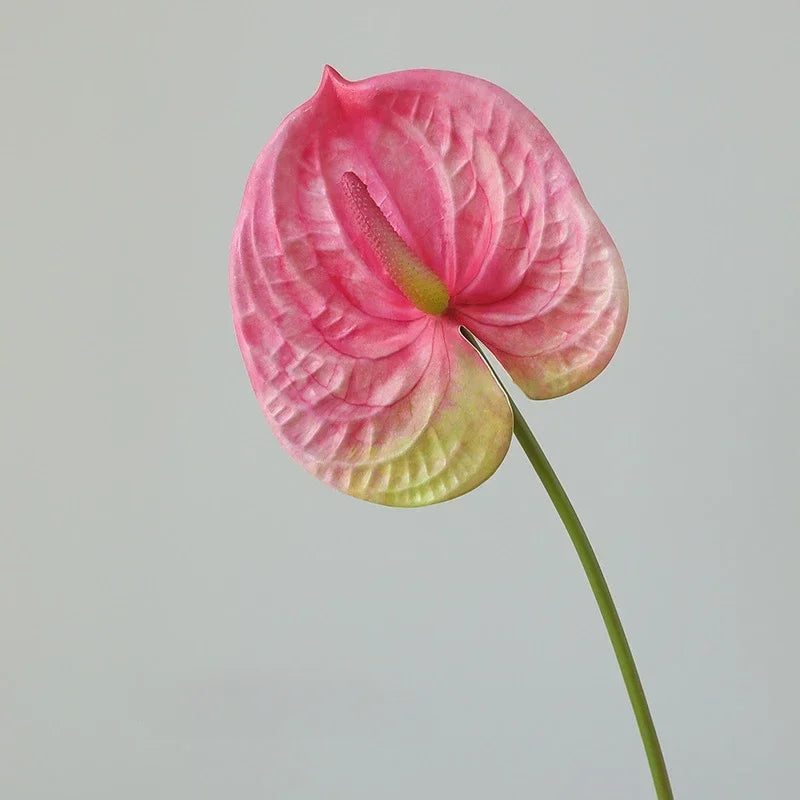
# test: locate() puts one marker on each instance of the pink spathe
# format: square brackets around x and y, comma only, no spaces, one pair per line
[382,216]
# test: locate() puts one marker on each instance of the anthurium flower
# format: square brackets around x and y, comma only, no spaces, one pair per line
[382,217]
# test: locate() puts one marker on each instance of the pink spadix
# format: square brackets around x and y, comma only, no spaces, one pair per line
[420,284]
[382,216]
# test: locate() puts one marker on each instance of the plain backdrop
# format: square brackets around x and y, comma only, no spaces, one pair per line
[186,614]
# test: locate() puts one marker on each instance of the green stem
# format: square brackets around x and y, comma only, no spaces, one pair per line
[600,589]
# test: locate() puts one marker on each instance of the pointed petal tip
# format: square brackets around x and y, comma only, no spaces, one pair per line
[331,79]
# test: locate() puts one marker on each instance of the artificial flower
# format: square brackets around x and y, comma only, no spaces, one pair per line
[383,217]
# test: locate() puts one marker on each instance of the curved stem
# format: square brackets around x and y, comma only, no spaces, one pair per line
[600,589]
[602,594]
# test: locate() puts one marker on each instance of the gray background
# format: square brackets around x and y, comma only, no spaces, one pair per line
[185,613]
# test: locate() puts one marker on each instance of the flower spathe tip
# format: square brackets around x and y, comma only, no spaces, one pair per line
[332,79]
